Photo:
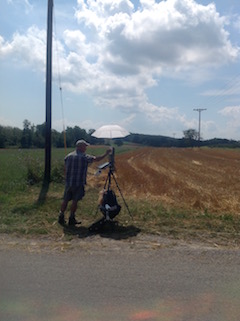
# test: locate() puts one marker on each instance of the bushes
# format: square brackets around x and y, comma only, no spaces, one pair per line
[57,174]
[35,171]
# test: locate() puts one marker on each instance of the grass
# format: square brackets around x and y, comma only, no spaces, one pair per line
[20,184]
[21,213]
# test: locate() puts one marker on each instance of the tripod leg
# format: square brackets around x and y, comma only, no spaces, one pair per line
[108,184]
[121,195]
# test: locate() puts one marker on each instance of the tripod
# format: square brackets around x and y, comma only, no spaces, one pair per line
[111,209]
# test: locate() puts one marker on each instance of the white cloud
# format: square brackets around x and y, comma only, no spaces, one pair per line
[232,113]
[119,51]
[159,114]
[26,49]
[132,47]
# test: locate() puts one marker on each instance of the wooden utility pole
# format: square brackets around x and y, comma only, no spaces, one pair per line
[48,129]
[199,110]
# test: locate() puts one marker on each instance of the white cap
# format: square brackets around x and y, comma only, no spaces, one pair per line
[82,142]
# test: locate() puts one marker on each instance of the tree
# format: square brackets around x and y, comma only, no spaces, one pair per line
[190,134]
[91,131]
[2,137]
[57,139]
[118,142]
[27,134]
[39,136]
[73,134]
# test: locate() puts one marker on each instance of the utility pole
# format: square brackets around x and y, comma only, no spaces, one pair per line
[48,123]
[48,129]
[199,110]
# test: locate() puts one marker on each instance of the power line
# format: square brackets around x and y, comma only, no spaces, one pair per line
[60,85]
[229,88]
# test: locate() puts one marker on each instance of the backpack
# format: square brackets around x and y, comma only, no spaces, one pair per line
[110,207]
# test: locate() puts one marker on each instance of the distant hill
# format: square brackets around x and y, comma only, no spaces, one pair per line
[164,141]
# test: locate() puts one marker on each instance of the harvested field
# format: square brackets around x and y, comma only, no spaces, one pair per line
[200,179]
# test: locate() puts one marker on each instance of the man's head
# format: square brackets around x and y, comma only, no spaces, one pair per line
[81,145]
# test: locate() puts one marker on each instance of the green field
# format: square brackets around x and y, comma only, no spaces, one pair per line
[21,178]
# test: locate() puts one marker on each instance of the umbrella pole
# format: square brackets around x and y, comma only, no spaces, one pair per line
[108,180]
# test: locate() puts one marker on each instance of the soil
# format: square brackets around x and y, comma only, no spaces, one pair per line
[201,179]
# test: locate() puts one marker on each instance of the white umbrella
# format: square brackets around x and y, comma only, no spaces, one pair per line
[110,131]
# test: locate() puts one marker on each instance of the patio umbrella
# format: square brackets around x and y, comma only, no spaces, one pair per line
[111,132]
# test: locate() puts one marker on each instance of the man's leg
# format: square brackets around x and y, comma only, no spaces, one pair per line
[72,219]
[74,206]
[77,195]
[66,198]
[61,219]
[64,206]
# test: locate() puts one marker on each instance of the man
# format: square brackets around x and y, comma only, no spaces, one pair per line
[75,170]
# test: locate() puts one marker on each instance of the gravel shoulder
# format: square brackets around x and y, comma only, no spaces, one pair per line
[109,242]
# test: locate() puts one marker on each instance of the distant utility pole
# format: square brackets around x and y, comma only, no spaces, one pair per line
[199,121]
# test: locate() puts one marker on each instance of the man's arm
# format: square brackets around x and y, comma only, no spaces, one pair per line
[99,158]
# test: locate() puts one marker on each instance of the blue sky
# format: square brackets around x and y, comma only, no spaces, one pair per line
[144,65]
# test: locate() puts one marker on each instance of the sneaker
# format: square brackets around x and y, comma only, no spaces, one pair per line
[72,221]
[61,219]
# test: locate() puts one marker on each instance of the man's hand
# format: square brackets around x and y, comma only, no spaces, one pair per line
[109,150]
[99,158]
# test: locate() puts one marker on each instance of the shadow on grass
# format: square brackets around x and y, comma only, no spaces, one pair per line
[43,193]
[25,208]
[113,231]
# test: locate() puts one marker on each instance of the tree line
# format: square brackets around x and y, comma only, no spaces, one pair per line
[32,136]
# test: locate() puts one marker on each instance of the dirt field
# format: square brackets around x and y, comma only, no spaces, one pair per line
[201,179]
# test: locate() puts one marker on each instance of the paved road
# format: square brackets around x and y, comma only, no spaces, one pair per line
[117,281]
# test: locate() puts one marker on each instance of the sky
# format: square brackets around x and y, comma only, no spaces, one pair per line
[142,64]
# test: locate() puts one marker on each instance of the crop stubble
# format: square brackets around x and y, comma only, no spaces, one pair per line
[185,178]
